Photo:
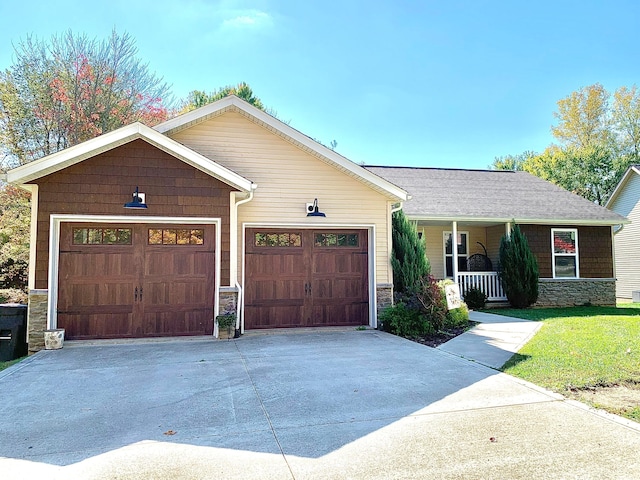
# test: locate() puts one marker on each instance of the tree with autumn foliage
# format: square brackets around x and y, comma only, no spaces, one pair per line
[70,89]
[597,140]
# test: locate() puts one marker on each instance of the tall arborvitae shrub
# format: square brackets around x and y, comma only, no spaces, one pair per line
[518,269]
[408,256]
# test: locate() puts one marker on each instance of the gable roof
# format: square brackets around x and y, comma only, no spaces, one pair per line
[72,155]
[492,196]
[632,170]
[232,103]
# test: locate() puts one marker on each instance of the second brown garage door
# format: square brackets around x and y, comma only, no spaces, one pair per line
[306,278]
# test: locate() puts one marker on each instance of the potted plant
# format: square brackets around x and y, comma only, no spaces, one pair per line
[226,326]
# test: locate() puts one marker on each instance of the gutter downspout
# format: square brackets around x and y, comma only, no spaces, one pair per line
[234,232]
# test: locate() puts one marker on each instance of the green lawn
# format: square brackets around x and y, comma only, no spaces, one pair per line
[581,348]
[4,365]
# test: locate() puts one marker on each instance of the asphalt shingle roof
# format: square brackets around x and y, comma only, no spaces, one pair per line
[490,194]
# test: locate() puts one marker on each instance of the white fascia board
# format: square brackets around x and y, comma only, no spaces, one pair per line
[70,156]
[337,159]
[630,171]
[521,221]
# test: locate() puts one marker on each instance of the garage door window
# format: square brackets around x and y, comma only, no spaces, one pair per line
[102,236]
[176,236]
[278,239]
[336,240]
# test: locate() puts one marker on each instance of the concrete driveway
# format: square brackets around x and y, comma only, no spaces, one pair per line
[331,404]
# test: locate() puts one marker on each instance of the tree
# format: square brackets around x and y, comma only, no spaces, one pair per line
[592,172]
[408,255]
[14,237]
[198,98]
[583,118]
[518,269]
[512,162]
[626,120]
[70,89]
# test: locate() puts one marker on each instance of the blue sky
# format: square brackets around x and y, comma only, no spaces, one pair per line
[421,83]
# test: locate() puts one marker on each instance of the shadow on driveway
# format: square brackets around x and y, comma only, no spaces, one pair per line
[297,396]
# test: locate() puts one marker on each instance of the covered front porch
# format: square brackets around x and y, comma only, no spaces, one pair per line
[474,261]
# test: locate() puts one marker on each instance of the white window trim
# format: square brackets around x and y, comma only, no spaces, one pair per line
[444,250]
[554,254]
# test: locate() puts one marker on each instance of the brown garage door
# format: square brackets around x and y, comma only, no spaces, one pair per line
[306,278]
[136,280]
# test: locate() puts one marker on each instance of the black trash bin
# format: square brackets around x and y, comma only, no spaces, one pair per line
[13,331]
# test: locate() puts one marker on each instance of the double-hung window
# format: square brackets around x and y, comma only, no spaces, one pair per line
[564,250]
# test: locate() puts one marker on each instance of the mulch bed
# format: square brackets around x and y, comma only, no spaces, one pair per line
[443,335]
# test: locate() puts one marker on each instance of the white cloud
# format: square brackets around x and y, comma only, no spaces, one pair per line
[248,19]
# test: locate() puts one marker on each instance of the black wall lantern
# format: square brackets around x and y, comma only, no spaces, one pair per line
[312,210]
[138,200]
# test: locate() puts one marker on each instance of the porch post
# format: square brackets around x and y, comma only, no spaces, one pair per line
[507,228]
[454,251]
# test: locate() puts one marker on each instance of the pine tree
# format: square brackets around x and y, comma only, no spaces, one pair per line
[518,269]
[408,257]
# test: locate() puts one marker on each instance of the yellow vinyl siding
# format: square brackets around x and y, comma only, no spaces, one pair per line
[288,177]
[627,241]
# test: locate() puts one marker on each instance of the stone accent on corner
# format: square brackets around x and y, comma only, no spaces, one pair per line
[37,319]
[228,300]
[384,296]
[579,291]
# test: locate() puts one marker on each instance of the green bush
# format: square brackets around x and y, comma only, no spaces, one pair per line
[405,321]
[518,269]
[432,302]
[408,255]
[475,298]
[458,317]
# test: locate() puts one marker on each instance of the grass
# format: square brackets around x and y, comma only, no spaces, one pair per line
[581,348]
[4,365]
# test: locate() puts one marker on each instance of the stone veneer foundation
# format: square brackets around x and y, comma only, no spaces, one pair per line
[554,292]
[384,294]
[37,319]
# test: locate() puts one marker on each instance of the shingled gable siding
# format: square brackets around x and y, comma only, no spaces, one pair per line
[594,249]
[102,184]
[287,178]
[595,286]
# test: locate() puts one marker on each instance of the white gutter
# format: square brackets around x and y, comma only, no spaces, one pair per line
[398,208]
[233,240]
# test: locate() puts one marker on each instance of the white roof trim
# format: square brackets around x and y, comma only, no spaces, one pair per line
[76,154]
[201,114]
[535,221]
[623,181]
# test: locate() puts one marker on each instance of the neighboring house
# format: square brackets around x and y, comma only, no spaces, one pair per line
[571,237]
[625,200]
[230,226]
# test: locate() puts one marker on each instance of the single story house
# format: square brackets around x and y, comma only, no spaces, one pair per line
[571,238]
[625,200]
[146,232]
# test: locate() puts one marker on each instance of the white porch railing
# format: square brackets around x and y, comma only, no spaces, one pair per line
[488,282]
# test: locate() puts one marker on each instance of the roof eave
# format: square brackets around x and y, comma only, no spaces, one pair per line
[621,183]
[202,113]
[76,154]
[533,221]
